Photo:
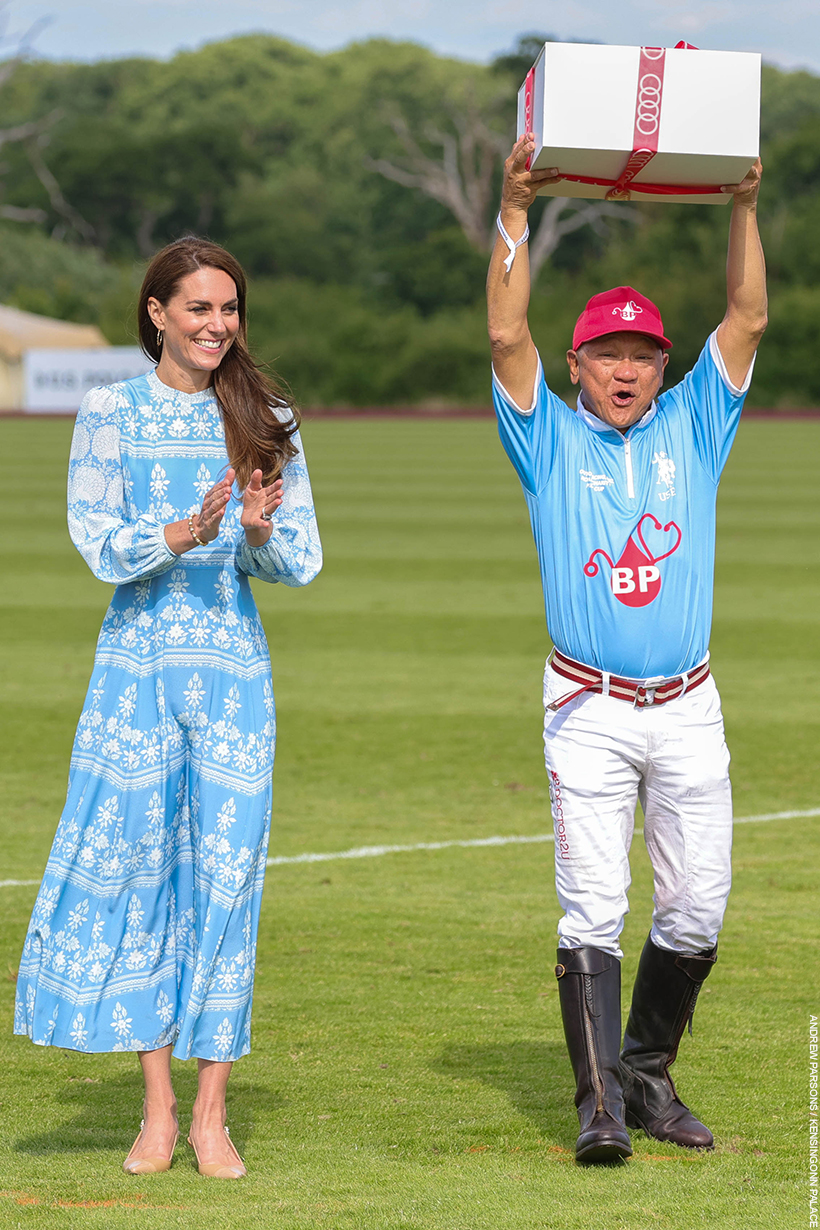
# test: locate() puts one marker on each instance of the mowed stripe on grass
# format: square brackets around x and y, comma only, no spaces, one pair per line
[408,1066]
[327,856]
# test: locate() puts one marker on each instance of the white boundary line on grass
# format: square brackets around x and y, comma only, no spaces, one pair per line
[377,851]
[280,860]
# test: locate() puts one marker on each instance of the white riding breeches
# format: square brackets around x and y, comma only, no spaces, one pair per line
[602,755]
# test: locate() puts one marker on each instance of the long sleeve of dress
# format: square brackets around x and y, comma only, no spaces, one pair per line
[293,553]
[117,547]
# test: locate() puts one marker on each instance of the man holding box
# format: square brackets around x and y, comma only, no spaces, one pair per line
[621,494]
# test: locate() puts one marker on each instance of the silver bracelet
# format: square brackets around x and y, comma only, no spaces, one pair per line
[512,244]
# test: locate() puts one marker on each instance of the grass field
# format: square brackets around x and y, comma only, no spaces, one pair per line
[408,1067]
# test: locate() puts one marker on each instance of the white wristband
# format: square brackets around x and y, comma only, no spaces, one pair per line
[512,244]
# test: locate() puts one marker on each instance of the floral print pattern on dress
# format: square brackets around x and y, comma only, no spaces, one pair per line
[144,930]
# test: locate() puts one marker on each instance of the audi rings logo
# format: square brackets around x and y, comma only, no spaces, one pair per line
[648,110]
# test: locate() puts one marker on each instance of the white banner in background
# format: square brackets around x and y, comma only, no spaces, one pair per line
[55,380]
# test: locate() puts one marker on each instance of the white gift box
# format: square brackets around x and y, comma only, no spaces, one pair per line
[695,115]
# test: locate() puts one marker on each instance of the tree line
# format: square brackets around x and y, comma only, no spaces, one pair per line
[359,189]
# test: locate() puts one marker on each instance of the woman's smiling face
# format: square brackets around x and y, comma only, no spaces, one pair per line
[199,322]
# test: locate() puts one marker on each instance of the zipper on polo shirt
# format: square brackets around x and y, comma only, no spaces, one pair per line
[630,486]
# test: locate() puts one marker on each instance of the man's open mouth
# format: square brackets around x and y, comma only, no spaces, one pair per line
[624,397]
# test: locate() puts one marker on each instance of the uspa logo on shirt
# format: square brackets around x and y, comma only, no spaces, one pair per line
[635,579]
[666,474]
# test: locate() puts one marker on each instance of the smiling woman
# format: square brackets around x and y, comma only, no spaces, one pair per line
[193,322]
[197,327]
[143,936]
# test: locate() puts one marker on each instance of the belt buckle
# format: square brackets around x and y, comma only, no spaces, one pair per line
[648,688]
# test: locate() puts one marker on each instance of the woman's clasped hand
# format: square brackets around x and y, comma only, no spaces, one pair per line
[259,503]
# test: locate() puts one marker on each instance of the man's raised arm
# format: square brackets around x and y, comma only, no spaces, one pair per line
[743,325]
[508,281]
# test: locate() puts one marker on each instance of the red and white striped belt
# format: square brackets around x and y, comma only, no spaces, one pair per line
[638,693]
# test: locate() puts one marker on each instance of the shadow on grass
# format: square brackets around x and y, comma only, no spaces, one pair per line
[535,1076]
[108,1112]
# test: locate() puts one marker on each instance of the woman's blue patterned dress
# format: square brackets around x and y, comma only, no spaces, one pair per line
[144,929]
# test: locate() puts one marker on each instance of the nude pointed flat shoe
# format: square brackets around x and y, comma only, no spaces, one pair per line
[218,1170]
[147,1165]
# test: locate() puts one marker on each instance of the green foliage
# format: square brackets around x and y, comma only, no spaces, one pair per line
[787,372]
[334,348]
[364,290]
[787,99]
[518,62]
[40,274]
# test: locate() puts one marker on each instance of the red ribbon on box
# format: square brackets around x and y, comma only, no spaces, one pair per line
[648,104]
[528,88]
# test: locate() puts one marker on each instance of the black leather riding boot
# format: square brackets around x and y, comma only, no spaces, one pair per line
[663,1001]
[589,987]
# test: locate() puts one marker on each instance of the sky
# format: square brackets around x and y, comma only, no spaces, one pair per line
[787,34]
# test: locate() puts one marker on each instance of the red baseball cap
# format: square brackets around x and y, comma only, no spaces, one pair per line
[622,310]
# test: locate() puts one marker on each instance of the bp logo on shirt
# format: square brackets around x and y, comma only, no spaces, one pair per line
[635,579]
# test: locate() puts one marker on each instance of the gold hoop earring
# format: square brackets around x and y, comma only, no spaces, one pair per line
[159,337]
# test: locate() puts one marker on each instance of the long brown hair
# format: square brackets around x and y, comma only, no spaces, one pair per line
[255,436]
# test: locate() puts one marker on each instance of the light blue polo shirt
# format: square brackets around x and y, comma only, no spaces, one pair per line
[624,525]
